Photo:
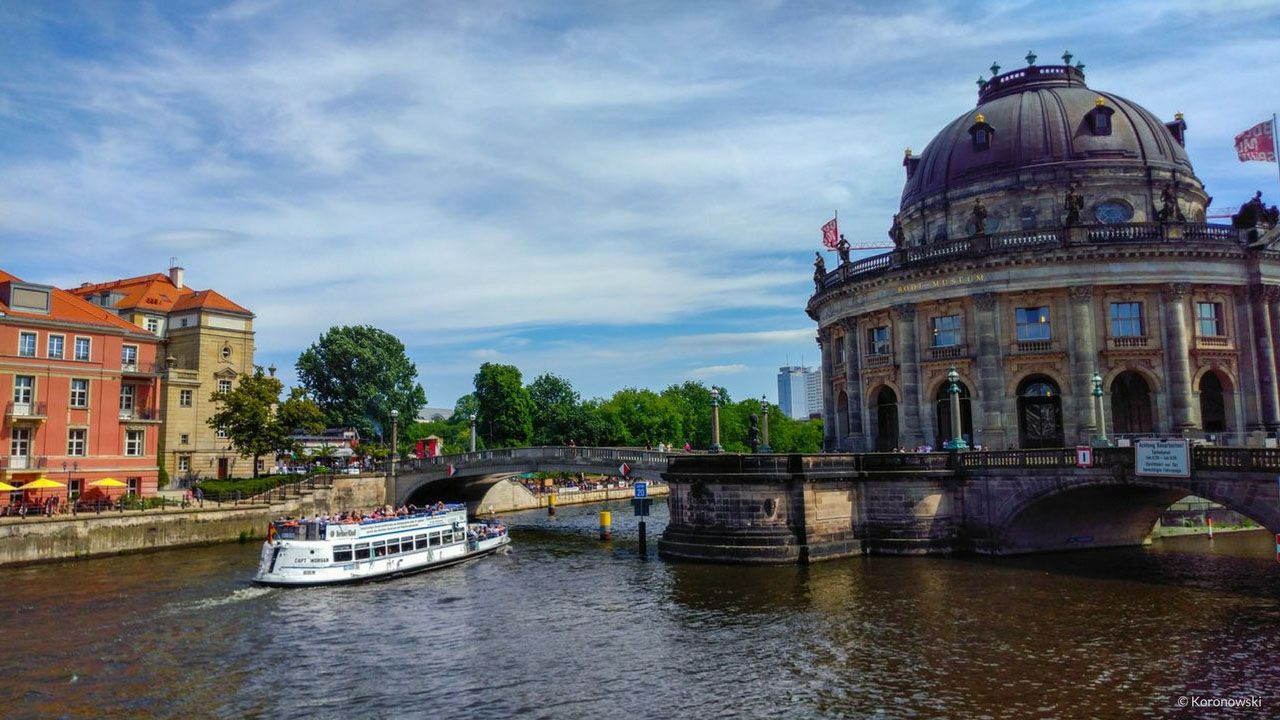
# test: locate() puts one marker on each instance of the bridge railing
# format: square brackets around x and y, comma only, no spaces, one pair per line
[1222,458]
[510,456]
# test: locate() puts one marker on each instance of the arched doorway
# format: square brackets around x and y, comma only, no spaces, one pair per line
[1039,413]
[1131,404]
[886,420]
[842,419]
[1213,403]
[943,406]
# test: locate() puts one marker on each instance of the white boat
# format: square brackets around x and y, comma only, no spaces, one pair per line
[315,553]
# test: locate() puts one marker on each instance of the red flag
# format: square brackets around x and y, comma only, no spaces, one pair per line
[1257,143]
[450,470]
[830,235]
[624,469]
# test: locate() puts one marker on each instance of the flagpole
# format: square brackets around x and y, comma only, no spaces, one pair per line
[1275,146]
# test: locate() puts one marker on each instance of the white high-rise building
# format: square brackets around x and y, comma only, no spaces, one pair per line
[799,391]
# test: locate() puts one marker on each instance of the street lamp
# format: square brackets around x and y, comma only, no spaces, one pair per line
[472,417]
[1099,416]
[715,421]
[75,467]
[764,427]
[395,416]
[957,441]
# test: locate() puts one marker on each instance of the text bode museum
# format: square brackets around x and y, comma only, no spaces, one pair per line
[1053,232]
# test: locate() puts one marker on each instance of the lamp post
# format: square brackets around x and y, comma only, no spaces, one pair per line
[764,426]
[472,417]
[395,416]
[715,421]
[957,441]
[1100,418]
[75,467]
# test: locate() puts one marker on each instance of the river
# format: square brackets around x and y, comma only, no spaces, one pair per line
[566,626]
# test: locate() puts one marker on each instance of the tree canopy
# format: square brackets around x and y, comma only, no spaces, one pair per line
[257,422]
[504,414]
[358,375]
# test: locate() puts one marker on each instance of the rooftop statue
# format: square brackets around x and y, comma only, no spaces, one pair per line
[1255,213]
[1075,205]
[842,249]
[897,234]
[1169,210]
[979,218]
[819,270]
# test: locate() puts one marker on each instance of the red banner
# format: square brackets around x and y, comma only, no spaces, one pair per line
[830,235]
[1257,143]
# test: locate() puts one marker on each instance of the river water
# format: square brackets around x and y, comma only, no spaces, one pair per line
[566,626]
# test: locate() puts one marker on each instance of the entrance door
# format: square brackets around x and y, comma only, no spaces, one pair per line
[1040,413]
[1130,404]
[222,468]
[1213,404]
[20,448]
[886,420]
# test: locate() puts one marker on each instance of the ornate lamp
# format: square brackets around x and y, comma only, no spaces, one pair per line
[764,426]
[472,417]
[1100,415]
[957,441]
[715,421]
[1066,57]
[995,68]
[395,417]
[1031,57]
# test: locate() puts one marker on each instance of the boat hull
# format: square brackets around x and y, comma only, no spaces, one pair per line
[373,570]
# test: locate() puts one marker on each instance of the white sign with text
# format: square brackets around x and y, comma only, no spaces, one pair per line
[1163,458]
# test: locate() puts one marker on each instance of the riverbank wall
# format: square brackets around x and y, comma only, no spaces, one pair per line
[64,537]
[510,496]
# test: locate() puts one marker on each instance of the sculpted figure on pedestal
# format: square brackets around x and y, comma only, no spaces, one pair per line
[842,249]
[979,218]
[1169,210]
[819,270]
[897,234]
[1075,205]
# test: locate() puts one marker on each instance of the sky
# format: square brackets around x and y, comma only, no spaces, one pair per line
[624,194]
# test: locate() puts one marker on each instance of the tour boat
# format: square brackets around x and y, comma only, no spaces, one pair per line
[315,553]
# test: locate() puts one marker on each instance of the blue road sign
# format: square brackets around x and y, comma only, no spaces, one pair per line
[641,489]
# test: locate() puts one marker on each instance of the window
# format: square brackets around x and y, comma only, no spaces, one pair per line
[1209,319]
[226,352]
[184,463]
[184,439]
[1110,212]
[20,444]
[981,133]
[224,386]
[153,325]
[878,340]
[184,398]
[133,442]
[76,440]
[184,322]
[1033,323]
[362,551]
[129,357]
[1126,319]
[56,343]
[76,487]
[221,433]
[1099,118]
[342,553]
[946,331]
[82,348]
[23,389]
[127,393]
[27,344]
[134,485]
[79,393]
[419,542]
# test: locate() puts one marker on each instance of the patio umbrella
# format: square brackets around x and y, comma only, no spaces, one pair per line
[107,482]
[42,483]
[6,487]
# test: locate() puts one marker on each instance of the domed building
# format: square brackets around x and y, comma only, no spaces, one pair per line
[1049,234]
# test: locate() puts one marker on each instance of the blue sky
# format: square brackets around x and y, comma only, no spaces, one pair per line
[621,193]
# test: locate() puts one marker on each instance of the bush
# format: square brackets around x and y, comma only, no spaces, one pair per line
[214,489]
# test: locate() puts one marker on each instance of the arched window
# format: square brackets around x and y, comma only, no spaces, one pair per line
[1213,404]
[1131,404]
[1039,413]
[842,418]
[886,420]
[981,133]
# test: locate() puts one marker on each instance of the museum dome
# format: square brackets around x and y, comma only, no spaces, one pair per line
[1043,117]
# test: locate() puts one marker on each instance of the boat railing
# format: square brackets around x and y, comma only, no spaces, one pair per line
[316,529]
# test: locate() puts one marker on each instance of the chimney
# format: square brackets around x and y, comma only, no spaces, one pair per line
[175,273]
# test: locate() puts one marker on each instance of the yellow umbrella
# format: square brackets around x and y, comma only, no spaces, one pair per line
[6,487]
[107,482]
[42,484]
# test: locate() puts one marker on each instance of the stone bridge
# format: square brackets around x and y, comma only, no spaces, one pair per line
[469,475]
[800,508]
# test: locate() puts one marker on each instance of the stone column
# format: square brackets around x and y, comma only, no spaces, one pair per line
[990,374]
[1177,346]
[829,440]
[1246,391]
[853,385]
[1261,296]
[1084,362]
[907,354]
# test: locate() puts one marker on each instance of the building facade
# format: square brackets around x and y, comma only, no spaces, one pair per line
[206,345]
[1052,233]
[799,391]
[82,393]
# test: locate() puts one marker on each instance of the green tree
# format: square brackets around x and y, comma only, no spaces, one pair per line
[255,420]
[504,414]
[556,410]
[358,375]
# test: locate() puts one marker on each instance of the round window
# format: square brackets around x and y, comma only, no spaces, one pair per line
[226,352]
[1111,212]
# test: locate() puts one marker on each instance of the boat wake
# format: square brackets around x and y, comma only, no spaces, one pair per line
[241,595]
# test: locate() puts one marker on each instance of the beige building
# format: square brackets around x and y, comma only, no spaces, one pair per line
[207,343]
[1052,233]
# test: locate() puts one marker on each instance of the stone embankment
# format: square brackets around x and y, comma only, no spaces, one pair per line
[509,496]
[62,537]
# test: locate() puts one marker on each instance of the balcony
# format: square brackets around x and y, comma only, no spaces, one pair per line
[1033,346]
[948,352]
[1212,342]
[1129,342]
[27,412]
[878,360]
[141,368]
[139,415]
[19,463]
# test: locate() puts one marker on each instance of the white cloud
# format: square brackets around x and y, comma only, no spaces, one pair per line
[715,371]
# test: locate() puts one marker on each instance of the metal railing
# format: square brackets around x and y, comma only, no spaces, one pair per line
[140,413]
[141,368]
[27,410]
[508,456]
[23,462]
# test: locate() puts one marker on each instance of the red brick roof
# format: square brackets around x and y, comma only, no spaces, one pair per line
[67,307]
[156,292]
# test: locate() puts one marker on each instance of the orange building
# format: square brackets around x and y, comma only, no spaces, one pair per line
[82,390]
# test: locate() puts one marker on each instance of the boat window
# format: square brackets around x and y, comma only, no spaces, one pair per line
[362,551]
[380,548]
[435,539]
[341,553]
[420,542]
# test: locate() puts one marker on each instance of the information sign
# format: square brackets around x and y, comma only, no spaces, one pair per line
[1163,458]
[1084,456]
[641,489]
